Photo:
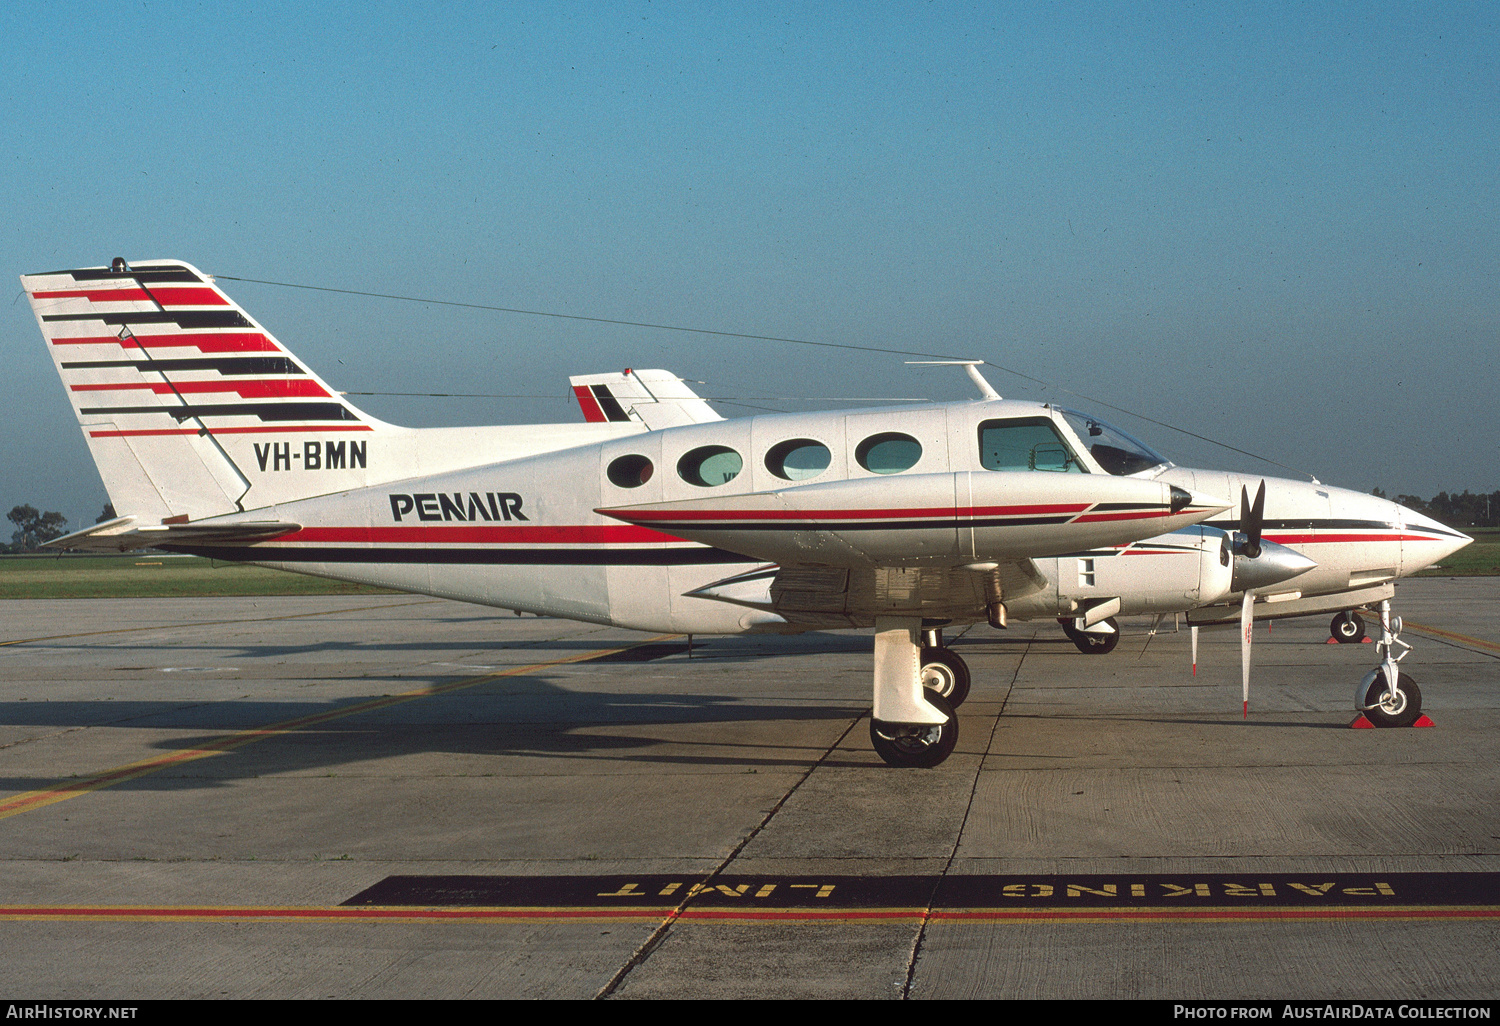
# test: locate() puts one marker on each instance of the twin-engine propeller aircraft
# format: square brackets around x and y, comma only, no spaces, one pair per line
[655,514]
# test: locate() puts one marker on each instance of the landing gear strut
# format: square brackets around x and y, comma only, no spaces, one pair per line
[1347,628]
[913,723]
[1386,696]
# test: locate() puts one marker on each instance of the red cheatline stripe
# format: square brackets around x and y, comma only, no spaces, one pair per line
[164,296]
[591,411]
[207,342]
[248,388]
[849,514]
[1322,537]
[1019,915]
[518,534]
[306,429]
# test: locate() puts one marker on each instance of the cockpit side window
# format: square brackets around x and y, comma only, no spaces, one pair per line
[1027,443]
[1118,453]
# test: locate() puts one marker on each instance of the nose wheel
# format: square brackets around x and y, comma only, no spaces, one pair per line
[1386,708]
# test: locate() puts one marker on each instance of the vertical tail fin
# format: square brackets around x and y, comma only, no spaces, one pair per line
[655,398]
[170,378]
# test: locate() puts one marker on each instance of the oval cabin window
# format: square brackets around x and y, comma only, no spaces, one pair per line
[888,453]
[798,459]
[629,471]
[710,465]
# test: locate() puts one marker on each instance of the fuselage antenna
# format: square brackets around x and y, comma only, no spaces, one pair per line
[986,390]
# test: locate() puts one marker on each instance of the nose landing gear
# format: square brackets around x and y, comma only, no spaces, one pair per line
[1386,697]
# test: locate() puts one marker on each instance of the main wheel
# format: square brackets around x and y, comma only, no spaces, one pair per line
[1073,633]
[920,745]
[945,672]
[1090,643]
[1398,710]
[1347,628]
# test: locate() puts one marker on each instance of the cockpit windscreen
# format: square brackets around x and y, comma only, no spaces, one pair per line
[1118,453]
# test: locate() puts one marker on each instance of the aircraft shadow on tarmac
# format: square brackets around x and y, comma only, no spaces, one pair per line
[550,713]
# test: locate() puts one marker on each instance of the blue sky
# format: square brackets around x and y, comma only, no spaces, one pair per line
[1274,225]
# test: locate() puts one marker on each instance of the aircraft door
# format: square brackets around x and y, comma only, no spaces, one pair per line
[630,472]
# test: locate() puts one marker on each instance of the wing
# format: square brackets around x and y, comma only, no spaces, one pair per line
[121,535]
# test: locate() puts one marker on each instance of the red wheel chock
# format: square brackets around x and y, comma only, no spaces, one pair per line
[1361,722]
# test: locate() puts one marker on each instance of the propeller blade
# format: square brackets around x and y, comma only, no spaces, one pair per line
[1194,631]
[1247,628]
[1252,519]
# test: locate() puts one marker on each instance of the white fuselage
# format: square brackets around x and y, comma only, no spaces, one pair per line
[526,533]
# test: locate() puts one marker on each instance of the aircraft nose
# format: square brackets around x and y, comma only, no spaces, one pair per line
[1276,563]
[1425,541]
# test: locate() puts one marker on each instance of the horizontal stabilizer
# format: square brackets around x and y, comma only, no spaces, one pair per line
[121,535]
[656,398]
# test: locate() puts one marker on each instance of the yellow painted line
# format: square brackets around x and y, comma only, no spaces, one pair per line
[216,623]
[229,742]
[1462,639]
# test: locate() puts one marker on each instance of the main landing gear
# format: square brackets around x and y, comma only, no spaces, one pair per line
[1100,639]
[1347,628]
[1386,696]
[918,686]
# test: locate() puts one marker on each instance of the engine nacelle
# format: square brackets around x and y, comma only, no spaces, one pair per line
[1188,571]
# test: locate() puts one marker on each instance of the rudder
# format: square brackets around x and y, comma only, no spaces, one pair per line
[171,382]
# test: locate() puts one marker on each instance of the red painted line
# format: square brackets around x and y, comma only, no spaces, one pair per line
[307,429]
[376,913]
[592,413]
[1324,538]
[1221,914]
[924,513]
[1091,518]
[535,534]
[248,388]
[207,342]
[164,296]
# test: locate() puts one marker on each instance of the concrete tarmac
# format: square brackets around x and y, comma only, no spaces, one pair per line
[193,791]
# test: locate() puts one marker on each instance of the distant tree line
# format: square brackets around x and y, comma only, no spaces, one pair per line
[34,529]
[1466,510]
